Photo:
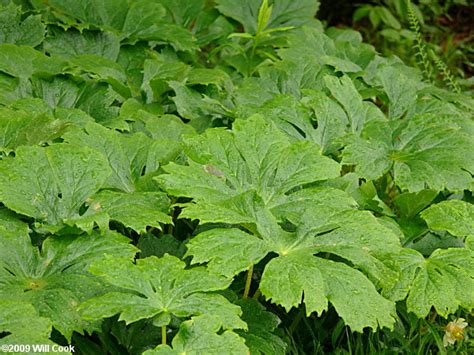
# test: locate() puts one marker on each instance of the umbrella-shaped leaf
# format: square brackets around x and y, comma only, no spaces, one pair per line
[128,157]
[333,227]
[254,156]
[444,281]
[54,188]
[286,279]
[54,279]
[158,288]
[425,152]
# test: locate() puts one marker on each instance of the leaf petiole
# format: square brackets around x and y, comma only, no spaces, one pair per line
[248,282]
[163,334]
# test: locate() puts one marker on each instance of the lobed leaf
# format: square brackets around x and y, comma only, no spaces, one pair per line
[454,216]
[228,166]
[200,335]
[55,187]
[21,320]
[54,279]
[443,281]
[424,152]
[158,288]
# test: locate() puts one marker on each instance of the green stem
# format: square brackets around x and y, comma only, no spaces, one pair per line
[248,282]
[255,41]
[163,335]
[295,322]
[257,294]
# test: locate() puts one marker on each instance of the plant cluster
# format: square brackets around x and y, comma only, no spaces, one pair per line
[226,178]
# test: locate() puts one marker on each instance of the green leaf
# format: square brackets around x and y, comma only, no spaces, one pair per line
[425,152]
[217,247]
[391,35]
[146,21]
[142,15]
[166,244]
[333,227]
[287,278]
[205,76]
[429,242]
[108,14]
[191,105]
[254,156]
[244,112]
[356,236]
[140,20]
[168,127]
[11,88]
[210,28]
[101,69]
[340,64]
[71,43]
[63,96]
[388,18]
[444,281]
[410,204]
[264,13]
[454,216]
[260,337]
[178,37]
[10,224]
[56,91]
[288,114]
[354,297]
[375,17]
[359,112]
[401,90]
[200,336]
[98,100]
[21,320]
[128,156]
[21,127]
[158,72]
[294,206]
[330,117]
[183,12]
[315,52]
[136,210]
[160,287]
[14,30]
[310,43]
[54,188]
[370,154]
[24,61]
[284,13]
[54,279]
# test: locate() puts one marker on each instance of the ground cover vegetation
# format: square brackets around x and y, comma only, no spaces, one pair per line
[222,177]
[395,27]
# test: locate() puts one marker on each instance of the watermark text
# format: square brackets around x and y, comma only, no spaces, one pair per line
[36,348]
